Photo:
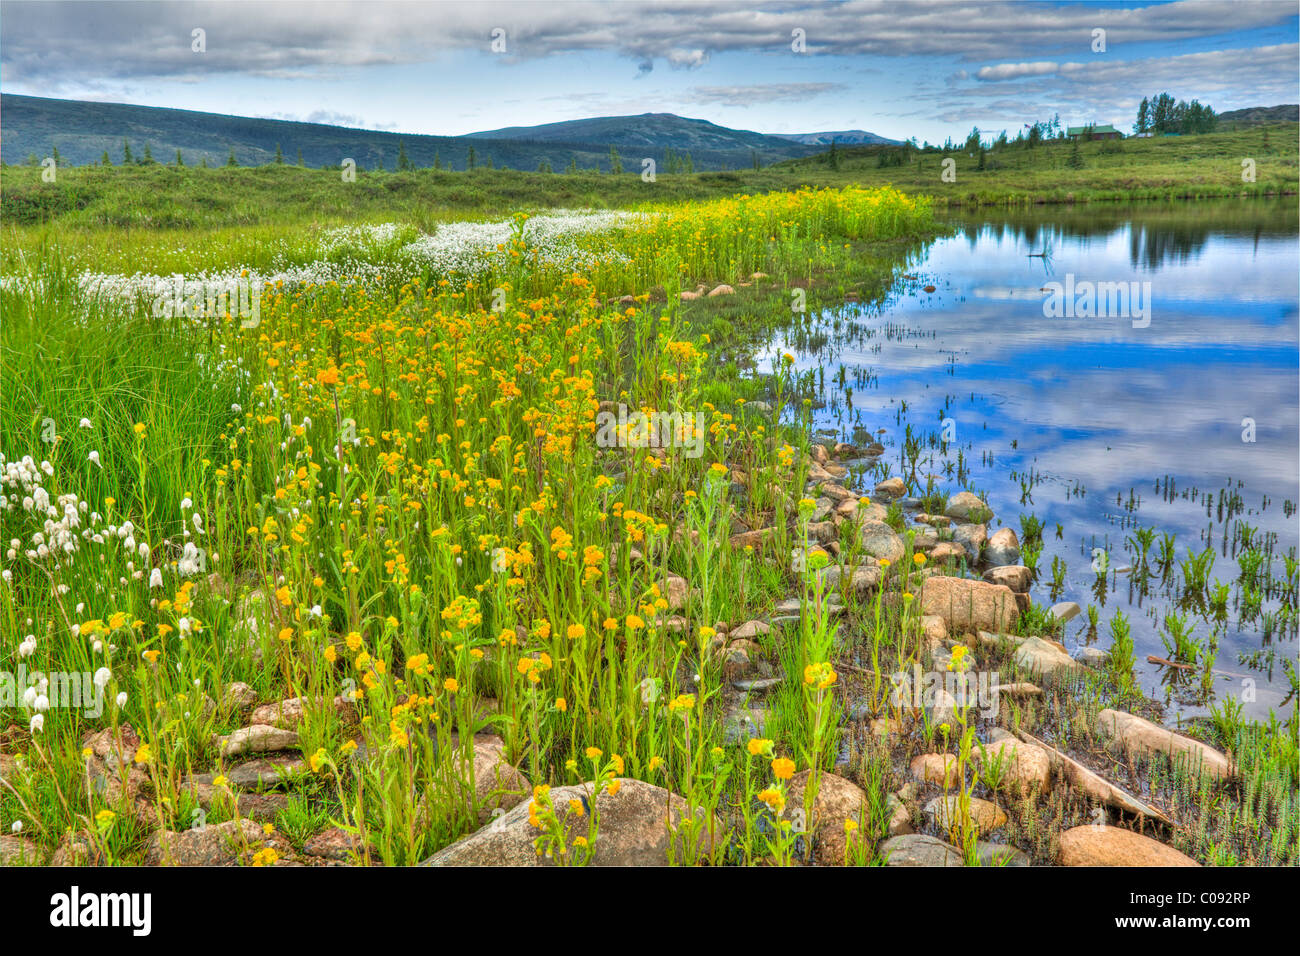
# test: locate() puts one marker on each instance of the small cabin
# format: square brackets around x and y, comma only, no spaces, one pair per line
[1094,131]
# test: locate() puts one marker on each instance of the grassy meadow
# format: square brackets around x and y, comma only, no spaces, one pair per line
[369,568]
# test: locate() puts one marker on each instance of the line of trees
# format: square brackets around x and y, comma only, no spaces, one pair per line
[675,161]
[1163,114]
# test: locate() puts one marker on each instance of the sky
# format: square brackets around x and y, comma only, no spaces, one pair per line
[899,69]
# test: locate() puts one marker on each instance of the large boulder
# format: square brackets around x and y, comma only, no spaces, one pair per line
[1092,845]
[967,605]
[1136,733]
[633,830]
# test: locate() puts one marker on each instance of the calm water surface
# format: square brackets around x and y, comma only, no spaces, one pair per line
[1106,425]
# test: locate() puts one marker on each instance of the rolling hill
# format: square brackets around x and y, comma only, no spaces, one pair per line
[82,132]
[844,137]
[1258,116]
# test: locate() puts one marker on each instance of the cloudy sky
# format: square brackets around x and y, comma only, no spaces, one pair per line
[896,68]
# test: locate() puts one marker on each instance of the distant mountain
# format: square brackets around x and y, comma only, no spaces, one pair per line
[1259,116]
[845,137]
[648,131]
[83,131]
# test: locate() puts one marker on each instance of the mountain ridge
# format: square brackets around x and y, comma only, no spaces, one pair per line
[83,131]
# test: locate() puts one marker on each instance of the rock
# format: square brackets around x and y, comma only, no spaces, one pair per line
[255,774]
[947,551]
[257,739]
[217,844]
[917,849]
[971,537]
[935,768]
[934,630]
[891,488]
[1093,657]
[964,505]
[111,770]
[1092,785]
[823,508]
[1138,734]
[751,539]
[900,818]
[934,521]
[837,800]
[999,854]
[1003,548]
[1066,610]
[77,849]
[1019,689]
[736,662]
[20,851]
[822,532]
[819,453]
[634,830]
[750,630]
[885,726]
[498,784]
[757,686]
[1024,768]
[742,723]
[1043,658]
[334,843]
[676,592]
[262,807]
[968,605]
[1091,845]
[927,540]
[239,696]
[288,714]
[1017,577]
[688,294]
[838,493]
[943,812]
[864,579]
[880,541]
[723,289]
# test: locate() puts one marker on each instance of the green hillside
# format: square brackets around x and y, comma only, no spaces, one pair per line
[83,132]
